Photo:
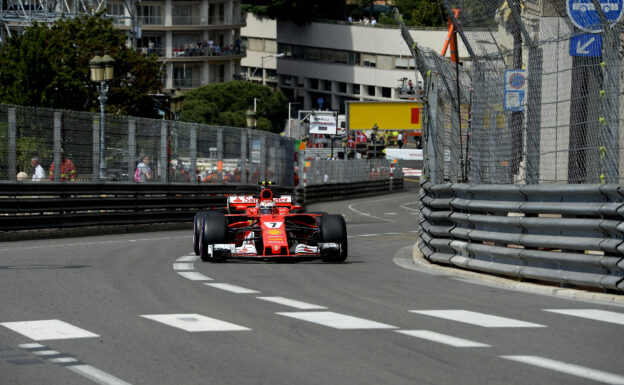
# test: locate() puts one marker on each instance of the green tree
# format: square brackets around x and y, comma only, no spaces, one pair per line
[226,104]
[48,66]
[299,11]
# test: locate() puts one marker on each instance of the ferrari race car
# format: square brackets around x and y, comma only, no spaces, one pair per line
[268,228]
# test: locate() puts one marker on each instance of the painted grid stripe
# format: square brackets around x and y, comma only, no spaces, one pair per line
[188,258]
[575,370]
[63,360]
[48,330]
[337,320]
[183,266]
[593,314]
[479,319]
[443,339]
[194,276]
[31,346]
[231,288]
[96,375]
[292,303]
[194,322]
[46,353]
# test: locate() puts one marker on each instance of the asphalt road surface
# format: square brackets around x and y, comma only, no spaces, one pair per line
[139,309]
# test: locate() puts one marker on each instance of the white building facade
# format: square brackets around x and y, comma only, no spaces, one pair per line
[197,41]
[332,61]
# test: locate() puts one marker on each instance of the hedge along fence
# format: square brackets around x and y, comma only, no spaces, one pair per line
[567,234]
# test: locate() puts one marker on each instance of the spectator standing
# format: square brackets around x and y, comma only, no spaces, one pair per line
[373,22]
[68,170]
[237,45]
[400,140]
[143,171]
[411,86]
[38,172]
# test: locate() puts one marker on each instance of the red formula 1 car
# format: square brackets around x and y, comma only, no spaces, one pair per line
[268,228]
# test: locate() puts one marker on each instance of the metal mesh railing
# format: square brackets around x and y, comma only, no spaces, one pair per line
[535,99]
[318,172]
[173,151]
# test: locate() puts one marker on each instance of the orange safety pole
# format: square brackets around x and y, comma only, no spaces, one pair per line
[451,38]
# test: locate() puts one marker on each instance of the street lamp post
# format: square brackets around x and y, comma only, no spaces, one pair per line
[262,65]
[176,103]
[102,73]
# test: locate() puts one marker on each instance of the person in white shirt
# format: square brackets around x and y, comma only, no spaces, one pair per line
[39,173]
[400,140]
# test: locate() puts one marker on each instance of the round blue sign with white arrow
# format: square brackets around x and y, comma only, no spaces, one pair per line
[585,16]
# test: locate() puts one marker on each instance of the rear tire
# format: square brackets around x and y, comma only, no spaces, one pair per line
[334,230]
[213,231]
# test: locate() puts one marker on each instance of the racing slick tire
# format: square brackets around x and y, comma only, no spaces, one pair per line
[197,224]
[334,230]
[213,230]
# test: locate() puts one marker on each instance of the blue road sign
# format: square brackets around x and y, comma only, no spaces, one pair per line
[585,16]
[320,102]
[589,44]
[515,90]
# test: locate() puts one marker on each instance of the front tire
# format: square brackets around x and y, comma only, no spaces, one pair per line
[213,231]
[334,230]
[197,225]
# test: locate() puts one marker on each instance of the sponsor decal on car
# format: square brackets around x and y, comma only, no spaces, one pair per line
[274,232]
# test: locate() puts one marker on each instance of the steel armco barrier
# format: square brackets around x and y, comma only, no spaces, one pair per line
[567,234]
[32,206]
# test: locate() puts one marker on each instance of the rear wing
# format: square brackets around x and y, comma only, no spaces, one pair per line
[242,202]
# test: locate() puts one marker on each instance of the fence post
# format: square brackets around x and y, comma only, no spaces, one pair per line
[263,157]
[477,124]
[534,115]
[220,153]
[57,146]
[132,162]
[243,158]
[96,149]
[193,144]
[12,143]
[163,162]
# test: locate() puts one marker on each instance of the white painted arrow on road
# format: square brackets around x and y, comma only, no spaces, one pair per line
[583,48]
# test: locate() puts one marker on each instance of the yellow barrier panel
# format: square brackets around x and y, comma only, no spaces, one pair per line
[386,115]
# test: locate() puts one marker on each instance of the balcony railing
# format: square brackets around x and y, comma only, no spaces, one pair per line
[195,51]
[186,20]
[151,20]
[185,83]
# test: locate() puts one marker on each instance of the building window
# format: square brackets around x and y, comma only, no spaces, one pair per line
[356,89]
[386,92]
[182,76]
[255,44]
[342,87]
[314,84]
[341,57]
[313,54]
[183,15]
[327,56]
[117,11]
[371,90]
[150,14]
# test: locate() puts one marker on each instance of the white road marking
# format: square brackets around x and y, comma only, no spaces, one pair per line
[443,339]
[31,346]
[183,266]
[188,258]
[367,235]
[337,320]
[575,370]
[479,319]
[231,288]
[593,314]
[292,303]
[63,360]
[48,330]
[95,243]
[390,214]
[46,353]
[194,276]
[96,375]
[404,206]
[194,322]
[367,214]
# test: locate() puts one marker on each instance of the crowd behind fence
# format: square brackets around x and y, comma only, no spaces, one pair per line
[178,151]
[530,102]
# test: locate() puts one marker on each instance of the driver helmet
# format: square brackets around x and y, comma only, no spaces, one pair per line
[267,207]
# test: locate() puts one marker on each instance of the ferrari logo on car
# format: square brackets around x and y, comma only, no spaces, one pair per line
[274,232]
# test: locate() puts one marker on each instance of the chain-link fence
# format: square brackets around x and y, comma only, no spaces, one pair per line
[535,98]
[318,172]
[67,144]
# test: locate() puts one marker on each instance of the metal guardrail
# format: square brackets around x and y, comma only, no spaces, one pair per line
[32,206]
[35,206]
[568,234]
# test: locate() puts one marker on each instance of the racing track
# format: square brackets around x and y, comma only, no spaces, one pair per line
[123,303]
